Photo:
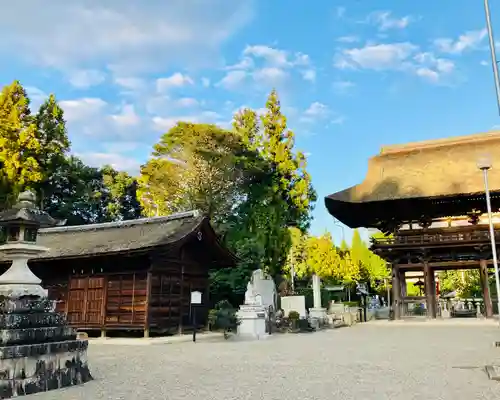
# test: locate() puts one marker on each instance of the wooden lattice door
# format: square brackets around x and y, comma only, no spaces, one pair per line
[94,301]
[85,301]
[76,300]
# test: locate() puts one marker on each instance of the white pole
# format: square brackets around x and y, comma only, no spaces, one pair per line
[493,52]
[492,236]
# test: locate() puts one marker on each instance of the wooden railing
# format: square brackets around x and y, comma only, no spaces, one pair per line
[431,238]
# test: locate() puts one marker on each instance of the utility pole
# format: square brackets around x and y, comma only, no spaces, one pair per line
[494,59]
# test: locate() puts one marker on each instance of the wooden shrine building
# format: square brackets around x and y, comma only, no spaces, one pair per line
[130,275]
[431,197]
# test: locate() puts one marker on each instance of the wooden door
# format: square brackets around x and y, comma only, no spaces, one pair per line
[76,301]
[85,301]
[95,300]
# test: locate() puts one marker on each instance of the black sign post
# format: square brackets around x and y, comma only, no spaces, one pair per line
[195,301]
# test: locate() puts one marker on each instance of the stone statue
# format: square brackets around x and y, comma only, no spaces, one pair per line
[249,294]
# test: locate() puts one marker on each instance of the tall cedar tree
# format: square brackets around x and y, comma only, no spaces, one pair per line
[20,148]
[53,138]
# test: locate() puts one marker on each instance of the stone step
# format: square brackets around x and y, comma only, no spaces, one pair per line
[9,337]
[41,349]
[26,305]
[31,320]
[29,375]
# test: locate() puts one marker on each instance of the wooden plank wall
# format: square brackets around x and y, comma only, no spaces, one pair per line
[119,299]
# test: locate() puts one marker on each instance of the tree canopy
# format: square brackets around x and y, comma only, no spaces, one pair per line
[35,154]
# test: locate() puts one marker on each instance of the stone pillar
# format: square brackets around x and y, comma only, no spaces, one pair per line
[317,311]
[396,292]
[483,273]
[430,290]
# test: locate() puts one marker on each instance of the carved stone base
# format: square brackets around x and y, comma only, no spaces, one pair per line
[252,322]
[38,350]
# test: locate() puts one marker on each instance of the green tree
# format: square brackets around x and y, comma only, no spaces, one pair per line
[78,195]
[53,138]
[121,190]
[194,166]
[280,195]
[19,146]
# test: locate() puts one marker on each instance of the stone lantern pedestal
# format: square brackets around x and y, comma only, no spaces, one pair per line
[38,350]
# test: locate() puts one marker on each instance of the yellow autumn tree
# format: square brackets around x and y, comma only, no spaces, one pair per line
[322,258]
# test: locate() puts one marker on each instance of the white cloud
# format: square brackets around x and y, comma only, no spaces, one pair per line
[267,66]
[127,117]
[484,63]
[316,109]
[233,79]
[36,96]
[187,102]
[125,36]
[163,124]
[270,76]
[130,83]
[244,63]
[343,86]
[348,39]
[468,41]
[272,56]
[205,82]
[376,56]
[396,56]
[432,68]
[82,109]
[385,21]
[85,78]
[309,75]
[175,80]
[117,161]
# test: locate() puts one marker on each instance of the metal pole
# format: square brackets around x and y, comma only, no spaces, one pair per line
[493,52]
[492,237]
[388,292]
[337,223]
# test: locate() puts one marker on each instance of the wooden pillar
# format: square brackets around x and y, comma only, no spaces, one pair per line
[483,273]
[147,306]
[396,292]
[430,290]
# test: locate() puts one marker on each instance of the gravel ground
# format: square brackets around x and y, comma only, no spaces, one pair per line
[363,362]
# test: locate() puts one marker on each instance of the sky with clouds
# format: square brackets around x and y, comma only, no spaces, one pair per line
[352,75]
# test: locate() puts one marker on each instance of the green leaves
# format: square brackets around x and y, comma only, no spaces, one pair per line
[20,147]
[34,154]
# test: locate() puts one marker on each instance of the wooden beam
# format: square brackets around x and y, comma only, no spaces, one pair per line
[444,265]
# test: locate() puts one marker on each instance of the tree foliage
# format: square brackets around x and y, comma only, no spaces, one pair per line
[34,154]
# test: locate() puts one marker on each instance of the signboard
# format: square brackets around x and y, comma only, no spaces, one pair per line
[195,297]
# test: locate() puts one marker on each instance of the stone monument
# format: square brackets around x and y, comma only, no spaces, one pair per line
[38,350]
[259,296]
[317,311]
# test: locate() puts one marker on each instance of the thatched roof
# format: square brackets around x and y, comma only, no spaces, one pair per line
[431,169]
[125,236]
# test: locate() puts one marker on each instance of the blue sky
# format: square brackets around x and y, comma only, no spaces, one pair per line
[352,75]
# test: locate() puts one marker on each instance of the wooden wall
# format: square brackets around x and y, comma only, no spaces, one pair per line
[149,292]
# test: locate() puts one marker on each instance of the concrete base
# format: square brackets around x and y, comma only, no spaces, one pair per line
[252,322]
[493,372]
[319,313]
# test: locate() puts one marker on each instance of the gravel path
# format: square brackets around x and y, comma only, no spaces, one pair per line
[363,362]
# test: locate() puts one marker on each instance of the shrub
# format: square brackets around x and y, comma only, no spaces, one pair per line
[293,316]
[223,318]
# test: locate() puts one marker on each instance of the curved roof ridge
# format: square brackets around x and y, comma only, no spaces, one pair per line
[122,224]
[436,143]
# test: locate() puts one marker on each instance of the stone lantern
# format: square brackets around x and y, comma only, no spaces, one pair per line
[38,350]
[20,227]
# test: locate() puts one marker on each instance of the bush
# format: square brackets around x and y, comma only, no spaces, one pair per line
[293,316]
[223,318]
